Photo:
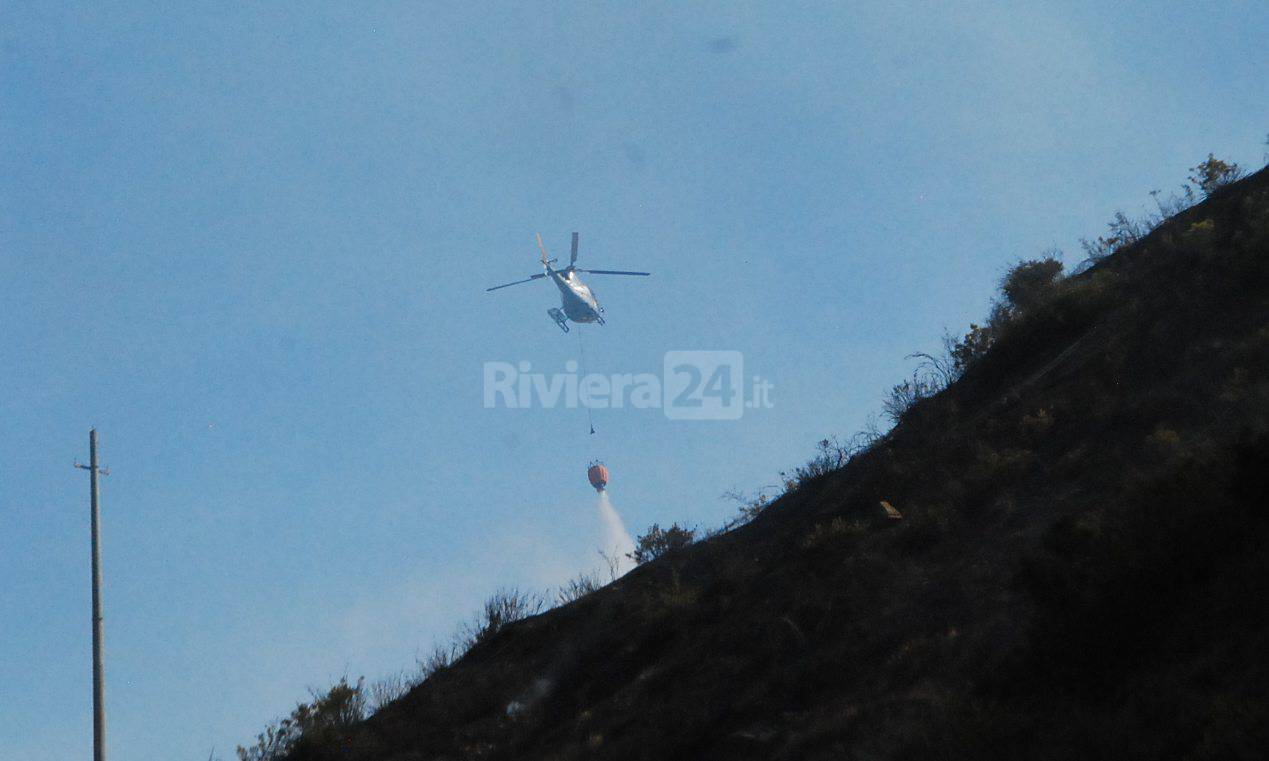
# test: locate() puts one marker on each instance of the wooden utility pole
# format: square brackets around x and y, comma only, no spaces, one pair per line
[99,686]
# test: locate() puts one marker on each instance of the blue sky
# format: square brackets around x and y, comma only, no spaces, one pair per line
[250,244]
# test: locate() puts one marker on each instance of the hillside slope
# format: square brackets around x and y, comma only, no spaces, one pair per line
[1081,571]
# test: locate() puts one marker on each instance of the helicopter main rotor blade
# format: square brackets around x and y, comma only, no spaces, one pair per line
[542,248]
[517,282]
[572,259]
[612,272]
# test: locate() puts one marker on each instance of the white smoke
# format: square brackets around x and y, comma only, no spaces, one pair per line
[615,541]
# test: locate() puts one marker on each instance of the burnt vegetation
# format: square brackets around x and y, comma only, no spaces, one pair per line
[1059,550]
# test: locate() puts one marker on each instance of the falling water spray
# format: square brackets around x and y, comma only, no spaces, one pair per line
[615,541]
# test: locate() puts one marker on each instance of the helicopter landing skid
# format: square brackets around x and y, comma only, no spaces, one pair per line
[559,318]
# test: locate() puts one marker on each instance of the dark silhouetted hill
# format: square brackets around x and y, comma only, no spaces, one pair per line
[1081,571]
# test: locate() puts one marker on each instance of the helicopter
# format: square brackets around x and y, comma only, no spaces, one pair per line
[577,302]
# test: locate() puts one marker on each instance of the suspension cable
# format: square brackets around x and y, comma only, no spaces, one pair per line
[581,354]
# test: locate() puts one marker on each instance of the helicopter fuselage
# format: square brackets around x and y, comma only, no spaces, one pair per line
[576,298]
